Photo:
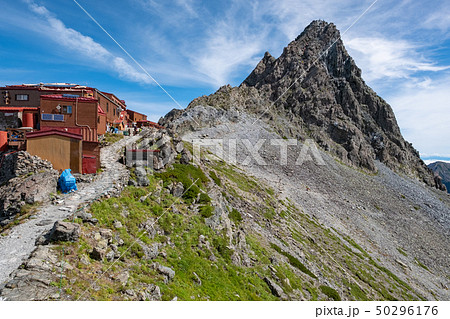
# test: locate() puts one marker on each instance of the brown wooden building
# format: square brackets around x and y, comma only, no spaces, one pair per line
[78,115]
[134,117]
[28,95]
[63,149]
[111,105]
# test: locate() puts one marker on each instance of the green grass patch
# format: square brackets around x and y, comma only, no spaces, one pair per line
[206,211]
[354,244]
[330,292]
[356,291]
[215,178]
[192,178]
[111,138]
[204,199]
[390,274]
[421,264]
[243,182]
[401,251]
[235,216]
[293,261]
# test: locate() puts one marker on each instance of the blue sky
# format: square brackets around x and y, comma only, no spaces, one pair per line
[193,47]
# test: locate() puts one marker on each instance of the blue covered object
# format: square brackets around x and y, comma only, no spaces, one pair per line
[67,183]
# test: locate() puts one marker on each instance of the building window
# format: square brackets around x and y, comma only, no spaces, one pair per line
[98,119]
[114,112]
[52,117]
[22,97]
[67,109]
[107,107]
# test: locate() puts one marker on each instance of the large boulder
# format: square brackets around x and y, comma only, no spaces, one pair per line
[141,176]
[64,231]
[178,190]
[168,272]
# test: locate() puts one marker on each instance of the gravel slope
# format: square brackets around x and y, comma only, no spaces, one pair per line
[385,213]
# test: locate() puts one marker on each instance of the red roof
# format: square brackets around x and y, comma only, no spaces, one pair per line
[17,109]
[88,135]
[54,132]
[60,97]
[100,110]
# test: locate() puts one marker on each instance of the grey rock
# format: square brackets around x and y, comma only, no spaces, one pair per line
[276,290]
[178,190]
[151,293]
[18,191]
[123,278]
[110,255]
[106,234]
[84,216]
[179,147]
[186,157]
[64,231]
[197,279]
[98,252]
[151,251]
[166,271]
[141,176]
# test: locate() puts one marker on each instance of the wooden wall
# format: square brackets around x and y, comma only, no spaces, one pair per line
[101,126]
[62,152]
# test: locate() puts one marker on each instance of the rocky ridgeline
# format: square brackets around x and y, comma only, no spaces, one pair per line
[314,90]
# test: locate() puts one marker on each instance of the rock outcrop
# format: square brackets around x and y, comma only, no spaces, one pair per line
[19,191]
[21,163]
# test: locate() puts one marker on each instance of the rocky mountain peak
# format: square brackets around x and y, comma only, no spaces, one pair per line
[317,88]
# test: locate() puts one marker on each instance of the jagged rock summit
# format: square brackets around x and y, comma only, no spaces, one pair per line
[315,90]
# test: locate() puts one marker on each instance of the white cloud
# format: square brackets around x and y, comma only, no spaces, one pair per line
[84,45]
[223,54]
[423,115]
[440,19]
[382,58]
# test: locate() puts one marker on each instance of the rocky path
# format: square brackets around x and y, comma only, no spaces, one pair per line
[20,242]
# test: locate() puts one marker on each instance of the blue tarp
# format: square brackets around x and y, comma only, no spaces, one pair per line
[67,183]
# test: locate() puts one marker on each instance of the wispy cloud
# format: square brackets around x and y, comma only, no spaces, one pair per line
[224,53]
[439,19]
[84,45]
[383,58]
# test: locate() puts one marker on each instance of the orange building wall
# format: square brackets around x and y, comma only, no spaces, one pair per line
[108,106]
[101,124]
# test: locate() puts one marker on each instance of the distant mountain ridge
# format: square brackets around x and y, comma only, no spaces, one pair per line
[443,170]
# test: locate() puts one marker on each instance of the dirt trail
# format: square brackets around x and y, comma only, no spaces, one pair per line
[20,242]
